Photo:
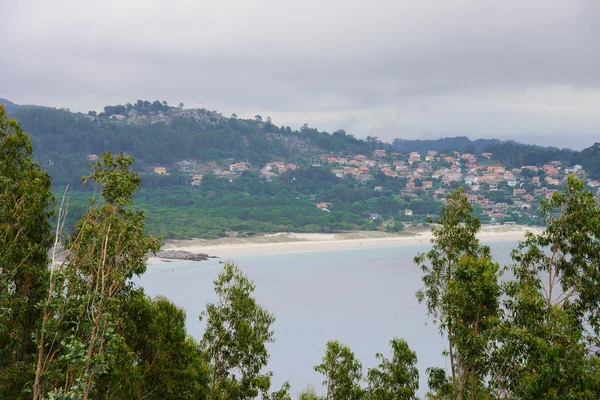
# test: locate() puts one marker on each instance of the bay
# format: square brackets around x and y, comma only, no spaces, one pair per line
[361,297]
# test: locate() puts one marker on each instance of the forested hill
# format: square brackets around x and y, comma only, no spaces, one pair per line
[158,134]
[155,133]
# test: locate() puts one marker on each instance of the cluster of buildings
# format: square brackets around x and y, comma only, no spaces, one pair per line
[425,174]
[436,174]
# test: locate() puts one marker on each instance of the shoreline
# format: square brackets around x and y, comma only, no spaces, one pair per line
[282,243]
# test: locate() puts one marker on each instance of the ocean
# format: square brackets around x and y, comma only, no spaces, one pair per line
[361,297]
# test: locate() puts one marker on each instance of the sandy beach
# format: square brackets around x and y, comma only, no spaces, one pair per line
[284,242]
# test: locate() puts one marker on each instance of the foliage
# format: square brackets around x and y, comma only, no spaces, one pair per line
[453,238]
[395,379]
[550,336]
[237,331]
[25,206]
[158,359]
[342,372]
[81,312]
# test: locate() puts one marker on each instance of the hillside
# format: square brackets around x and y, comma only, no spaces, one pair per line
[207,175]
[156,134]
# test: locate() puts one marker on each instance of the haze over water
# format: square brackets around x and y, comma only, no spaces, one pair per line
[361,297]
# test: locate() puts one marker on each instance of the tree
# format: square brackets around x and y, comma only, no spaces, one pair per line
[549,339]
[258,118]
[237,331]
[181,105]
[395,379]
[233,116]
[81,312]
[342,372]
[282,394]
[25,237]
[453,238]
[308,394]
[472,302]
[157,358]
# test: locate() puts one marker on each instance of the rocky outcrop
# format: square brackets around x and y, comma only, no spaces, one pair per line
[182,255]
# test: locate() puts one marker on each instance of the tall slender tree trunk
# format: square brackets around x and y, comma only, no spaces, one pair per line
[214,378]
[37,385]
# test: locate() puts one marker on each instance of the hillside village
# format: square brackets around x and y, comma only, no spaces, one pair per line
[501,195]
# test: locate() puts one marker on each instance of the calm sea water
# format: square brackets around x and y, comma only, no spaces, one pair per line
[362,297]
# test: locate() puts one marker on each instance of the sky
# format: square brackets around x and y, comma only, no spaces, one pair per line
[521,70]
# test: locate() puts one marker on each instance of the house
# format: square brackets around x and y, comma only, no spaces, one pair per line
[471,179]
[496,169]
[508,175]
[92,157]
[118,117]
[380,153]
[593,184]
[338,172]
[323,206]
[487,155]
[432,153]
[378,188]
[373,215]
[408,213]
[239,167]
[535,180]
[551,171]
[160,170]
[530,167]
[360,157]
[291,167]
[197,177]
[427,184]
[519,191]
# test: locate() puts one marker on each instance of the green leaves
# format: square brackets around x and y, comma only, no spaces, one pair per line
[342,372]
[395,379]
[25,238]
[237,331]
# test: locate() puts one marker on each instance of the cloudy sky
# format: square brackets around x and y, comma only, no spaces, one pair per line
[524,70]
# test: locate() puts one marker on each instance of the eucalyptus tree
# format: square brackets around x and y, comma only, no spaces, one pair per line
[550,340]
[395,379]
[237,332]
[342,372]
[78,338]
[25,237]
[454,237]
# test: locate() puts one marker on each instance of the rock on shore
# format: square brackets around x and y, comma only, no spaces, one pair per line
[182,255]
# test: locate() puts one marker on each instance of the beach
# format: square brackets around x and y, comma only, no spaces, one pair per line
[285,242]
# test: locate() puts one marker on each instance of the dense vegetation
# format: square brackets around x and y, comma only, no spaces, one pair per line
[79,328]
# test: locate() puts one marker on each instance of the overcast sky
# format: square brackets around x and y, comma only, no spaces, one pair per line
[524,70]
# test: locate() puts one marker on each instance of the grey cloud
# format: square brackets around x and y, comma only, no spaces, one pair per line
[512,69]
